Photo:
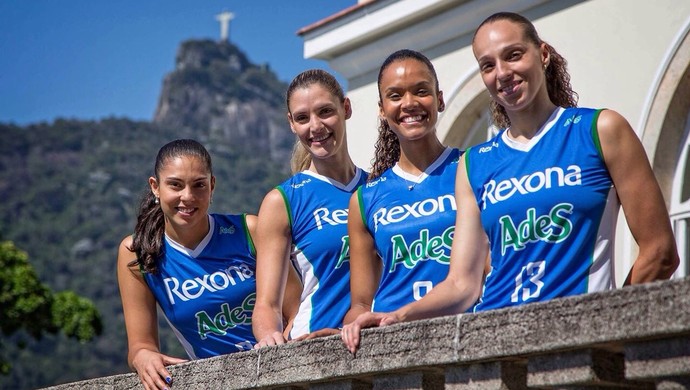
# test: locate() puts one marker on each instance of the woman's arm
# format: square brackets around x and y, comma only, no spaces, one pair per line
[293,288]
[141,322]
[273,243]
[365,265]
[641,199]
[461,288]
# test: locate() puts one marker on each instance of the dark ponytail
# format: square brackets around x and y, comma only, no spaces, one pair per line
[148,234]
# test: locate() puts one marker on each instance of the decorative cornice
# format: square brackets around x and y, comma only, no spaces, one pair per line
[355,44]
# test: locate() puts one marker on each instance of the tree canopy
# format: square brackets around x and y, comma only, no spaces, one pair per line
[28,305]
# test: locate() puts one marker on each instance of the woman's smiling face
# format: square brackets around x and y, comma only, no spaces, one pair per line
[410,102]
[511,66]
[318,117]
[184,188]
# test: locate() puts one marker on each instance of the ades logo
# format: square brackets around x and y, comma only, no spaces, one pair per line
[227,230]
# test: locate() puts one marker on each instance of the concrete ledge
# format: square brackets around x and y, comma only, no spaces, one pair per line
[634,337]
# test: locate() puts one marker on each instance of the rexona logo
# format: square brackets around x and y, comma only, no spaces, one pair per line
[333,218]
[422,208]
[553,228]
[375,182]
[301,184]
[485,149]
[227,318]
[193,288]
[422,249]
[551,177]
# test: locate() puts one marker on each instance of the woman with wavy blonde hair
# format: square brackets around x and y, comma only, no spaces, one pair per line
[304,219]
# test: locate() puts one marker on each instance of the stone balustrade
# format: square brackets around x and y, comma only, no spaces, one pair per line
[630,338]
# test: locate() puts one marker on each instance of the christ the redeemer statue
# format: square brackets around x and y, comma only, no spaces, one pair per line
[224,18]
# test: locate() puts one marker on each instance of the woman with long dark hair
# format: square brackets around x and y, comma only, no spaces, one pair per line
[198,267]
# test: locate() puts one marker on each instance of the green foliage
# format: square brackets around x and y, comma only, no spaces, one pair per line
[69,206]
[26,304]
[76,316]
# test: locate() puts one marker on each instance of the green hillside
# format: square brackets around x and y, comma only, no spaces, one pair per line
[70,190]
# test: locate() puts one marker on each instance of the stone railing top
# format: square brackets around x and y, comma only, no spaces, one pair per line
[607,320]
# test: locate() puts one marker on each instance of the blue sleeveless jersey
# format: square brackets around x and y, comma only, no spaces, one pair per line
[317,208]
[208,294]
[412,220]
[549,209]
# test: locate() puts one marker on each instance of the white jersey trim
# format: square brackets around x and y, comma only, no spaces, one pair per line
[194,253]
[345,187]
[301,324]
[420,178]
[601,272]
[526,147]
[185,344]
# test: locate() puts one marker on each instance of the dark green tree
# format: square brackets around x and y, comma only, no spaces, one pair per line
[28,305]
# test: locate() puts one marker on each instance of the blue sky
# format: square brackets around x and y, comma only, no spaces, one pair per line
[90,59]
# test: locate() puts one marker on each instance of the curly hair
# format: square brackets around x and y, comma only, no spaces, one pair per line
[301,159]
[387,147]
[147,241]
[557,77]
[386,150]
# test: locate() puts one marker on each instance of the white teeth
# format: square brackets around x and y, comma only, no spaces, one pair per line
[415,118]
[185,210]
[508,88]
[319,139]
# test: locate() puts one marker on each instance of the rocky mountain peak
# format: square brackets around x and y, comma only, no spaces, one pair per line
[195,54]
[217,92]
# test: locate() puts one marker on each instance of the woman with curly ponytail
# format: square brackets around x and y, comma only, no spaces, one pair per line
[541,198]
[401,223]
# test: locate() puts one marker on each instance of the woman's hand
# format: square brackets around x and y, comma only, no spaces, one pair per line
[150,366]
[351,332]
[275,338]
